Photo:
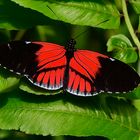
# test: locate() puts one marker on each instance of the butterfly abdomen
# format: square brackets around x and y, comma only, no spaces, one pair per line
[70,49]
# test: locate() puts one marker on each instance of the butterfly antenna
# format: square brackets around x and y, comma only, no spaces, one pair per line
[83,32]
[56,16]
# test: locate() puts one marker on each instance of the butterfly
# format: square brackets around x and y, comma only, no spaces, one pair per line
[79,72]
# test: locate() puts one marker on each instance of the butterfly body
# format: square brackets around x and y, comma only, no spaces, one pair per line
[79,72]
[70,49]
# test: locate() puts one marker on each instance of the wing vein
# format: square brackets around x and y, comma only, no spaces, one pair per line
[38,53]
[40,67]
[89,58]
[53,56]
[84,68]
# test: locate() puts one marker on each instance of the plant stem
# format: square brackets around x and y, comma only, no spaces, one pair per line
[130,29]
[129,25]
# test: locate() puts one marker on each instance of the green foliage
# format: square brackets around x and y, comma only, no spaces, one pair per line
[136,5]
[96,13]
[13,16]
[7,82]
[63,115]
[117,117]
[139,25]
[30,88]
[122,48]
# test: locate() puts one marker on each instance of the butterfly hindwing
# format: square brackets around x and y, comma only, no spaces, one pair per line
[79,85]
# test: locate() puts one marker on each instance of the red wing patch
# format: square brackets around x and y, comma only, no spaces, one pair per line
[89,61]
[79,85]
[83,69]
[51,63]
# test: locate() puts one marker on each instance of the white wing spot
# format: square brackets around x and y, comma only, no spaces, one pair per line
[44,86]
[27,42]
[78,93]
[112,59]
[9,46]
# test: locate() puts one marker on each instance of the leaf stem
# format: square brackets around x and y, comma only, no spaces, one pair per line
[129,25]
[131,30]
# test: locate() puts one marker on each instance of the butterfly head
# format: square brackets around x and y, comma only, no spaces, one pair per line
[70,47]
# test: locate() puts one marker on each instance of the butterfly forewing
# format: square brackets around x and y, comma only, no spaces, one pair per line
[116,76]
[19,56]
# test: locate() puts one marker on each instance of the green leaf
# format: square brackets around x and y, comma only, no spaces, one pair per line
[13,16]
[103,14]
[4,134]
[68,115]
[8,81]
[30,88]
[136,5]
[139,25]
[122,48]
[133,95]
[136,103]
[136,93]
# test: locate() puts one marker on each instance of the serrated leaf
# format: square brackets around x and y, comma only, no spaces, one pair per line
[103,14]
[7,81]
[136,5]
[122,48]
[13,16]
[30,88]
[68,115]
